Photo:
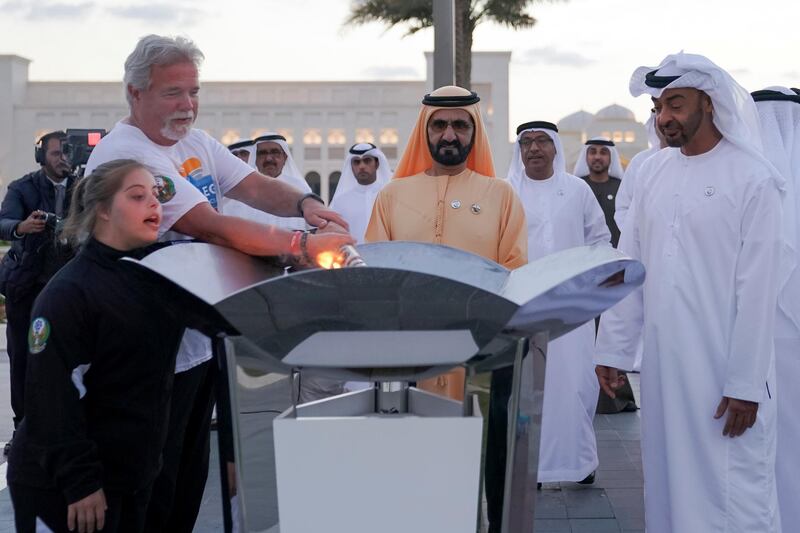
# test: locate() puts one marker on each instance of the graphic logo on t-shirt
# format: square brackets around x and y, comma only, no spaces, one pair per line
[38,335]
[192,169]
[166,189]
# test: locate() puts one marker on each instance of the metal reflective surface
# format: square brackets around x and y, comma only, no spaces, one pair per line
[362,323]
[369,322]
[438,260]
[564,290]
[257,397]
[210,272]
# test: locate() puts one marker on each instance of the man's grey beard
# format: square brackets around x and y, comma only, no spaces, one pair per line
[176,134]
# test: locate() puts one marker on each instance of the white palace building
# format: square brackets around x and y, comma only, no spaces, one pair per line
[320,119]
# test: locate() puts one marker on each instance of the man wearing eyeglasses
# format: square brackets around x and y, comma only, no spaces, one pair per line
[444,192]
[561,212]
[271,156]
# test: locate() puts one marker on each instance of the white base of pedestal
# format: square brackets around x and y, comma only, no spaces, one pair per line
[388,474]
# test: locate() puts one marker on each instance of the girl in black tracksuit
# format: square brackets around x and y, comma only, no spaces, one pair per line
[102,346]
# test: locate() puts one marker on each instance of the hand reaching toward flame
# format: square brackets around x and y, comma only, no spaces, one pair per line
[323,248]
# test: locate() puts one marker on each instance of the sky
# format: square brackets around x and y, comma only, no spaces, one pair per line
[579,55]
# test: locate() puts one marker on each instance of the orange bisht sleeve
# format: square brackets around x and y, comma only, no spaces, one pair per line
[512,250]
[379,227]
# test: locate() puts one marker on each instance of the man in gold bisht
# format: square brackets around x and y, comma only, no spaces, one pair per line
[444,192]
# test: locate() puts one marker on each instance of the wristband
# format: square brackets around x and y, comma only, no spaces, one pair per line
[304,197]
[14,232]
[304,248]
[294,244]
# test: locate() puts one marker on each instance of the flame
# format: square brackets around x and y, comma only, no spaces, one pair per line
[329,260]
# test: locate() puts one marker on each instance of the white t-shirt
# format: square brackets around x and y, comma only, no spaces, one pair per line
[196,169]
[239,209]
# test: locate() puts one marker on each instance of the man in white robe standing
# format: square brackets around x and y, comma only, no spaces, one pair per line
[706,223]
[779,111]
[270,155]
[561,212]
[364,173]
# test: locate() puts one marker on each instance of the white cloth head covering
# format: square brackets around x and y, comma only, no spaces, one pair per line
[348,181]
[652,136]
[582,167]
[734,115]
[516,170]
[248,145]
[779,112]
[291,173]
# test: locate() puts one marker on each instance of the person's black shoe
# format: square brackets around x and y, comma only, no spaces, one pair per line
[630,408]
[7,448]
[538,486]
[588,480]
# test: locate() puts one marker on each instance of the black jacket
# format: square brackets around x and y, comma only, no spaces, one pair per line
[33,259]
[101,361]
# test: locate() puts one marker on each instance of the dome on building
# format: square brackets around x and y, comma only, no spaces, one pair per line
[615,112]
[577,121]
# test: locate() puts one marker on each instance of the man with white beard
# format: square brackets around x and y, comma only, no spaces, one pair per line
[364,173]
[561,212]
[271,156]
[194,172]
[779,111]
[706,223]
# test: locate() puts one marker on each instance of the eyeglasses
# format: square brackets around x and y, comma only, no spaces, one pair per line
[541,142]
[275,152]
[459,125]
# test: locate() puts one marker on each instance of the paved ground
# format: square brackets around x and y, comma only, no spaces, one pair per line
[613,504]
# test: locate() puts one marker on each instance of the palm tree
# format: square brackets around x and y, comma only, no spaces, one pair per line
[418,15]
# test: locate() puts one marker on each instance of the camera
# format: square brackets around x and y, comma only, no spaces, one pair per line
[51,220]
[78,146]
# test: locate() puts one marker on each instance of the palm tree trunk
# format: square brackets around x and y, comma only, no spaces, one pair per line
[464,28]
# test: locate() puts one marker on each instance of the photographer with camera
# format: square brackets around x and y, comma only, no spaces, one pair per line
[29,217]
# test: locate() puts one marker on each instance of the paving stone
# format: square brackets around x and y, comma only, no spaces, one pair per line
[629,522]
[611,453]
[619,479]
[626,421]
[594,526]
[551,526]
[607,434]
[550,504]
[629,435]
[601,422]
[589,503]
[626,497]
